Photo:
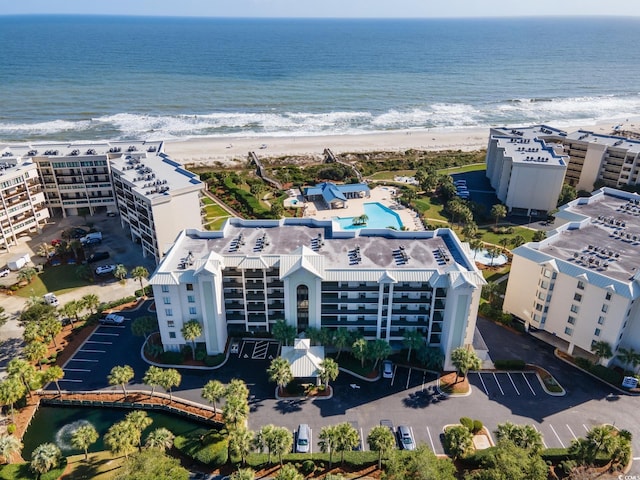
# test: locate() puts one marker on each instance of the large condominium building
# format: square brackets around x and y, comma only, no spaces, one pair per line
[156,197]
[525,171]
[22,202]
[527,166]
[581,284]
[313,274]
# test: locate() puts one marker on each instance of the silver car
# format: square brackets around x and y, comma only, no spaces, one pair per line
[405,436]
[303,438]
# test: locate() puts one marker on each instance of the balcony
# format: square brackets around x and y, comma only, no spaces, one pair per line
[232,295]
[255,296]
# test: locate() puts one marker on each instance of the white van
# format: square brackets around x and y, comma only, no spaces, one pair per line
[50,299]
[303,438]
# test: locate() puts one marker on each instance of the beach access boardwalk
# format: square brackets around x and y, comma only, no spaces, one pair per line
[261,172]
[330,157]
[134,400]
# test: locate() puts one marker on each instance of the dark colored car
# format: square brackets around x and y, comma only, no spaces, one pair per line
[74,233]
[96,257]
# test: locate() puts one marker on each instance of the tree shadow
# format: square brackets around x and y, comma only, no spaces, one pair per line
[10,349]
[289,406]
[423,398]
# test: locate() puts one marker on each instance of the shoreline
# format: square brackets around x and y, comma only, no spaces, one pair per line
[233,151]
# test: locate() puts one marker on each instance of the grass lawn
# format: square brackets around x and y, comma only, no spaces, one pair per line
[463,169]
[491,274]
[60,279]
[22,471]
[426,208]
[389,175]
[490,237]
[100,466]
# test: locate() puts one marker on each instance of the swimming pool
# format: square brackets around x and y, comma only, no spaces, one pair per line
[379,217]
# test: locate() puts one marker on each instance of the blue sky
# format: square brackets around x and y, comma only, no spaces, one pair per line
[324,8]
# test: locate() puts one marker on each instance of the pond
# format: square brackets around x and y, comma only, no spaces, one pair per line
[57,424]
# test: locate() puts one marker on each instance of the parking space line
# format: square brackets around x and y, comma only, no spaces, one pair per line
[393,377]
[70,380]
[310,440]
[92,351]
[82,360]
[556,434]
[571,431]
[76,370]
[585,428]
[512,383]
[408,380]
[241,349]
[530,387]
[496,379]
[107,334]
[101,343]
[362,444]
[544,444]
[111,326]
[483,385]
[433,447]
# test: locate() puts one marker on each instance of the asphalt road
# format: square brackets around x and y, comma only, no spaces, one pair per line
[408,398]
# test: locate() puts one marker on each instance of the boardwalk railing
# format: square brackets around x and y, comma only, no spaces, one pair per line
[329,157]
[261,171]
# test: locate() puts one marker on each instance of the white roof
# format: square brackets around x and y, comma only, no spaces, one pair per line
[305,360]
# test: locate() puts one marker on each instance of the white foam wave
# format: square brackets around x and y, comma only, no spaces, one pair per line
[53,126]
[63,436]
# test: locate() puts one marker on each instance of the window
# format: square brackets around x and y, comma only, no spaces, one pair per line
[166,300]
[577,297]
[541,295]
[192,310]
[568,331]
[191,299]
[536,317]
[574,308]
[601,320]
[171,323]
[580,285]
[165,288]
[189,286]
[571,320]
[172,334]
[544,284]
[605,308]
[547,273]
[608,296]
[168,312]
[597,332]
[538,307]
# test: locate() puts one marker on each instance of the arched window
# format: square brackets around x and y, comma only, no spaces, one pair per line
[302,304]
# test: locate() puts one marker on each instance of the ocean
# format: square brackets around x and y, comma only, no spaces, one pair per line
[73,78]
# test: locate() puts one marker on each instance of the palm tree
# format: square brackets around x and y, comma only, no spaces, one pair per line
[262,440]
[54,373]
[413,339]
[91,301]
[140,273]
[464,360]
[359,350]
[3,317]
[517,241]
[280,372]
[490,291]
[329,371]
[45,457]
[22,370]
[122,437]
[498,212]
[144,326]
[470,230]
[602,349]
[240,442]
[140,421]
[36,352]
[121,375]
[328,441]
[51,327]
[243,474]
[503,242]
[12,389]
[160,438]
[190,331]
[628,356]
[121,273]
[212,392]
[83,438]
[235,411]
[9,446]
[476,245]
[26,274]
[70,310]
[237,388]
[342,339]
[44,250]
[523,436]
[280,442]
[288,472]
[493,252]
[378,350]
[170,378]
[283,332]
[348,439]
[381,440]
[152,377]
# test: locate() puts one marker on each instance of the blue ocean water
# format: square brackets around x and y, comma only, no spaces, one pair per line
[77,77]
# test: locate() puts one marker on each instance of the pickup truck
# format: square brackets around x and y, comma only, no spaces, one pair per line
[112,319]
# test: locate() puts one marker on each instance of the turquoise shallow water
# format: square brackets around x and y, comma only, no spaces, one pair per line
[81,77]
[379,217]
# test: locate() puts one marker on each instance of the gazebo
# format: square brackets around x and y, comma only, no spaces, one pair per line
[304,359]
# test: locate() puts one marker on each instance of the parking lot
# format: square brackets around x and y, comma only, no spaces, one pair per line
[258,349]
[520,384]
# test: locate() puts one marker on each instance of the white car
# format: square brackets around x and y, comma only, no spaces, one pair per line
[387,369]
[112,319]
[50,299]
[4,272]
[104,269]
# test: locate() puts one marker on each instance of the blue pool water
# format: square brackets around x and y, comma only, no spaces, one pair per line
[379,217]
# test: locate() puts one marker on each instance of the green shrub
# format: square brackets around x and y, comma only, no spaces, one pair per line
[467,423]
[512,364]
[213,360]
[583,363]
[307,467]
[201,354]
[207,447]
[295,388]
[477,426]
[173,358]
[148,292]
[11,429]
[555,455]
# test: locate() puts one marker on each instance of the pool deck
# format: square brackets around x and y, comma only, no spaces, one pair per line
[355,207]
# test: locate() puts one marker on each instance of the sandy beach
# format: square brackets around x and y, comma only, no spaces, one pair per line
[230,150]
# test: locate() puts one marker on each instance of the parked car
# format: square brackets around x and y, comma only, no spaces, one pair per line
[387,369]
[303,438]
[460,182]
[91,241]
[74,233]
[112,319]
[111,213]
[55,242]
[97,256]
[405,438]
[4,272]
[104,269]
[95,237]
[50,299]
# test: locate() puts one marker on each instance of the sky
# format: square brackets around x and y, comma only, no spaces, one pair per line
[325,8]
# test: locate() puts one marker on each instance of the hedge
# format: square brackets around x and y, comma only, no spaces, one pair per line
[353,459]
[512,364]
[208,447]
